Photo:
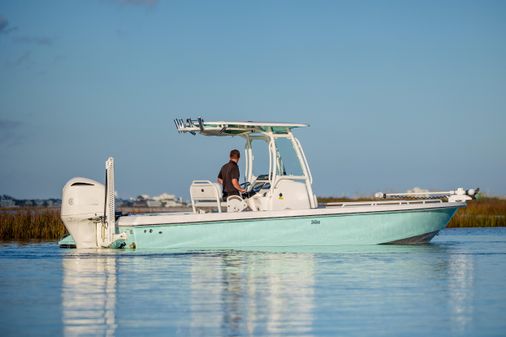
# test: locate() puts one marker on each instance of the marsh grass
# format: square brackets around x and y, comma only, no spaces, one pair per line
[31,223]
[484,212]
[44,224]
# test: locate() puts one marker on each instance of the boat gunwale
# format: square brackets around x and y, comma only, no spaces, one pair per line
[206,218]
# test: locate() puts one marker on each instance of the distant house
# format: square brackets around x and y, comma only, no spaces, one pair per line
[54,202]
[169,200]
[7,203]
[162,200]
[140,201]
[39,202]
[153,203]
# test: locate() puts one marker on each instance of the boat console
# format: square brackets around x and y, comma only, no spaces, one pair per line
[287,185]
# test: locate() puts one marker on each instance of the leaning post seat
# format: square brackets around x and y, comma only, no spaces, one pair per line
[205,194]
[236,203]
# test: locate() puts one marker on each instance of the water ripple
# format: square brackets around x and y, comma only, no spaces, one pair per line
[454,286]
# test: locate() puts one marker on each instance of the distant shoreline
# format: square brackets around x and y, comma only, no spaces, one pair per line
[44,223]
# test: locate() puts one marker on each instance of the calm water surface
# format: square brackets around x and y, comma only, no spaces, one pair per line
[455,286]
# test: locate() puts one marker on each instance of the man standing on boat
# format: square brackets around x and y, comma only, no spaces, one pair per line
[229,176]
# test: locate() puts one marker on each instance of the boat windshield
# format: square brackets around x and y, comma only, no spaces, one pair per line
[261,157]
[288,164]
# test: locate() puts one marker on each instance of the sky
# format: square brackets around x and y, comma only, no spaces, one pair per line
[398,93]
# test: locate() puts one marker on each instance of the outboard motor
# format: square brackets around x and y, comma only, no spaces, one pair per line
[82,210]
[88,211]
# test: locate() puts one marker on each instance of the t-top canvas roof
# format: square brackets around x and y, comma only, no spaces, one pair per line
[232,128]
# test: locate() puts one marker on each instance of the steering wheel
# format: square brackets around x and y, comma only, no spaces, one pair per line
[258,187]
[255,189]
[245,185]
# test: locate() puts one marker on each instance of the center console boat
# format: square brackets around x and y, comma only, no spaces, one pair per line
[280,208]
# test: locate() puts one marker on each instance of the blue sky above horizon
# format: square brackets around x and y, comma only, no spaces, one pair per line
[398,93]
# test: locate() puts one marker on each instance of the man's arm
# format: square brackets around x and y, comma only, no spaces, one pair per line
[238,187]
[235,179]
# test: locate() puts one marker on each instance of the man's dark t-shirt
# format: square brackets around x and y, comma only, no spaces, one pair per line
[228,172]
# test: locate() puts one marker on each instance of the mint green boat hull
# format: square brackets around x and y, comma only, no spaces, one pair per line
[415,226]
[67,242]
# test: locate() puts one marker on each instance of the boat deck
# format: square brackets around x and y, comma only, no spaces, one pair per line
[330,209]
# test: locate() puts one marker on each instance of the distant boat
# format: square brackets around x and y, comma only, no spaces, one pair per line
[278,210]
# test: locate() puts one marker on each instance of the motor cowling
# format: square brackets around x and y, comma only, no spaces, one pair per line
[83,202]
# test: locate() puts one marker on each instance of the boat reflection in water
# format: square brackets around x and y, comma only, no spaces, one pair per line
[253,293]
[460,287]
[89,295]
[269,293]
